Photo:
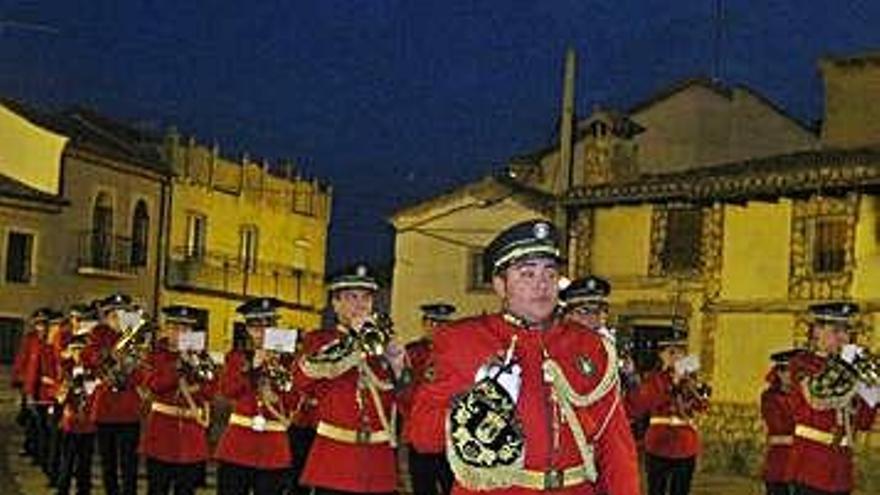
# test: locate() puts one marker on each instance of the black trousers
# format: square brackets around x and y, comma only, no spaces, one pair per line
[430,473]
[163,476]
[76,452]
[233,479]
[669,476]
[40,430]
[778,488]
[53,459]
[300,443]
[117,445]
[806,490]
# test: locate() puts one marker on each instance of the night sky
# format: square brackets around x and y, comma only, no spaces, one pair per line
[394,101]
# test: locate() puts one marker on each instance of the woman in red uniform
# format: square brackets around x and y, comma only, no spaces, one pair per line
[354,447]
[175,442]
[254,451]
[671,397]
[778,417]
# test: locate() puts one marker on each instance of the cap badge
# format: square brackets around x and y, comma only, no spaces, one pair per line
[361,271]
[541,230]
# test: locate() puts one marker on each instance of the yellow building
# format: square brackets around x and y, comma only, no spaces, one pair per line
[80,212]
[237,230]
[691,124]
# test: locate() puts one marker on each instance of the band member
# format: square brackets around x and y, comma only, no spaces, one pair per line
[776,410]
[26,355]
[76,400]
[672,396]
[40,385]
[56,336]
[522,401]
[831,402]
[254,452]
[585,301]
[429,471]
[352,371]
[117,402]
[180,377]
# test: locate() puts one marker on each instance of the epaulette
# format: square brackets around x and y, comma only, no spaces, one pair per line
[332,359]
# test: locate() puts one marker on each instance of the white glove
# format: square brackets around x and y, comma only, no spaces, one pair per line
[78,370]
[89,386]
[509,380]
[871,395]
[686,365]
[850,352]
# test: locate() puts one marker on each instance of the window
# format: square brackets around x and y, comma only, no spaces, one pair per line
[248,248]
[196,233]
[480,277]
[681,247]
[828,244]
[19,257]
[140,234]
[102,231]
[301,255]
[303,201]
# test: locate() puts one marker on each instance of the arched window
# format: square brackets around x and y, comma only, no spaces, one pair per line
[140,234]
[102,231]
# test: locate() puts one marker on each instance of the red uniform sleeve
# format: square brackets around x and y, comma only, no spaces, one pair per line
[21,359]
[865,415]
[432,400]
[649,395]
[160,376]
[233,379]
[31,371]
[312,343]
[616,455]
[776,412]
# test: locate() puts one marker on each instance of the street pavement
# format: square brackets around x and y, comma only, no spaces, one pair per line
[19,477]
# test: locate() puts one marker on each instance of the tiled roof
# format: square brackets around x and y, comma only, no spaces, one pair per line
[829,171]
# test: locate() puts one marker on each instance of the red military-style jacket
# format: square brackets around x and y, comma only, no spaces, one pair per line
[776,410]
[306,415]
[111,406]
[41,373]
[421,368]
[176,429]
[820,457]
[352,450]
[462,348]
[671,434]
[28,347]
[256,435]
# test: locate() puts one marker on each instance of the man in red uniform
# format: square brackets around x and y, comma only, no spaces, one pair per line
[352,371]
[828,411]
[27,353]
[779,419]
[254,451]
[585,301]
[429,471]
[672,397]
[76,400]
[40,386]
[523,402]
[180,379]
[117,402]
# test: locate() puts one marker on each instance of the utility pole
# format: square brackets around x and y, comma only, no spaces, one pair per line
[565,176]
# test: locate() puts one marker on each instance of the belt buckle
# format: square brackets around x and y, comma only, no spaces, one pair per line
[363,436]
[553,479]
[258,423]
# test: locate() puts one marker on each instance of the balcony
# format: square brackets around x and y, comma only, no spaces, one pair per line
[105,255]
[224,275]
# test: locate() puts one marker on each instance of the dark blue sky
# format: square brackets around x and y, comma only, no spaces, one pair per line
[396,100]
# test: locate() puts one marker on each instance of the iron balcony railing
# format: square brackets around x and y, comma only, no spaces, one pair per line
[228,273]
[102,252]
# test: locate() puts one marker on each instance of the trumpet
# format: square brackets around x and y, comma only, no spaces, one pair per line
[276,373]
[690,394]
[375,334]
[125,356]
[834,386]
[197,366]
